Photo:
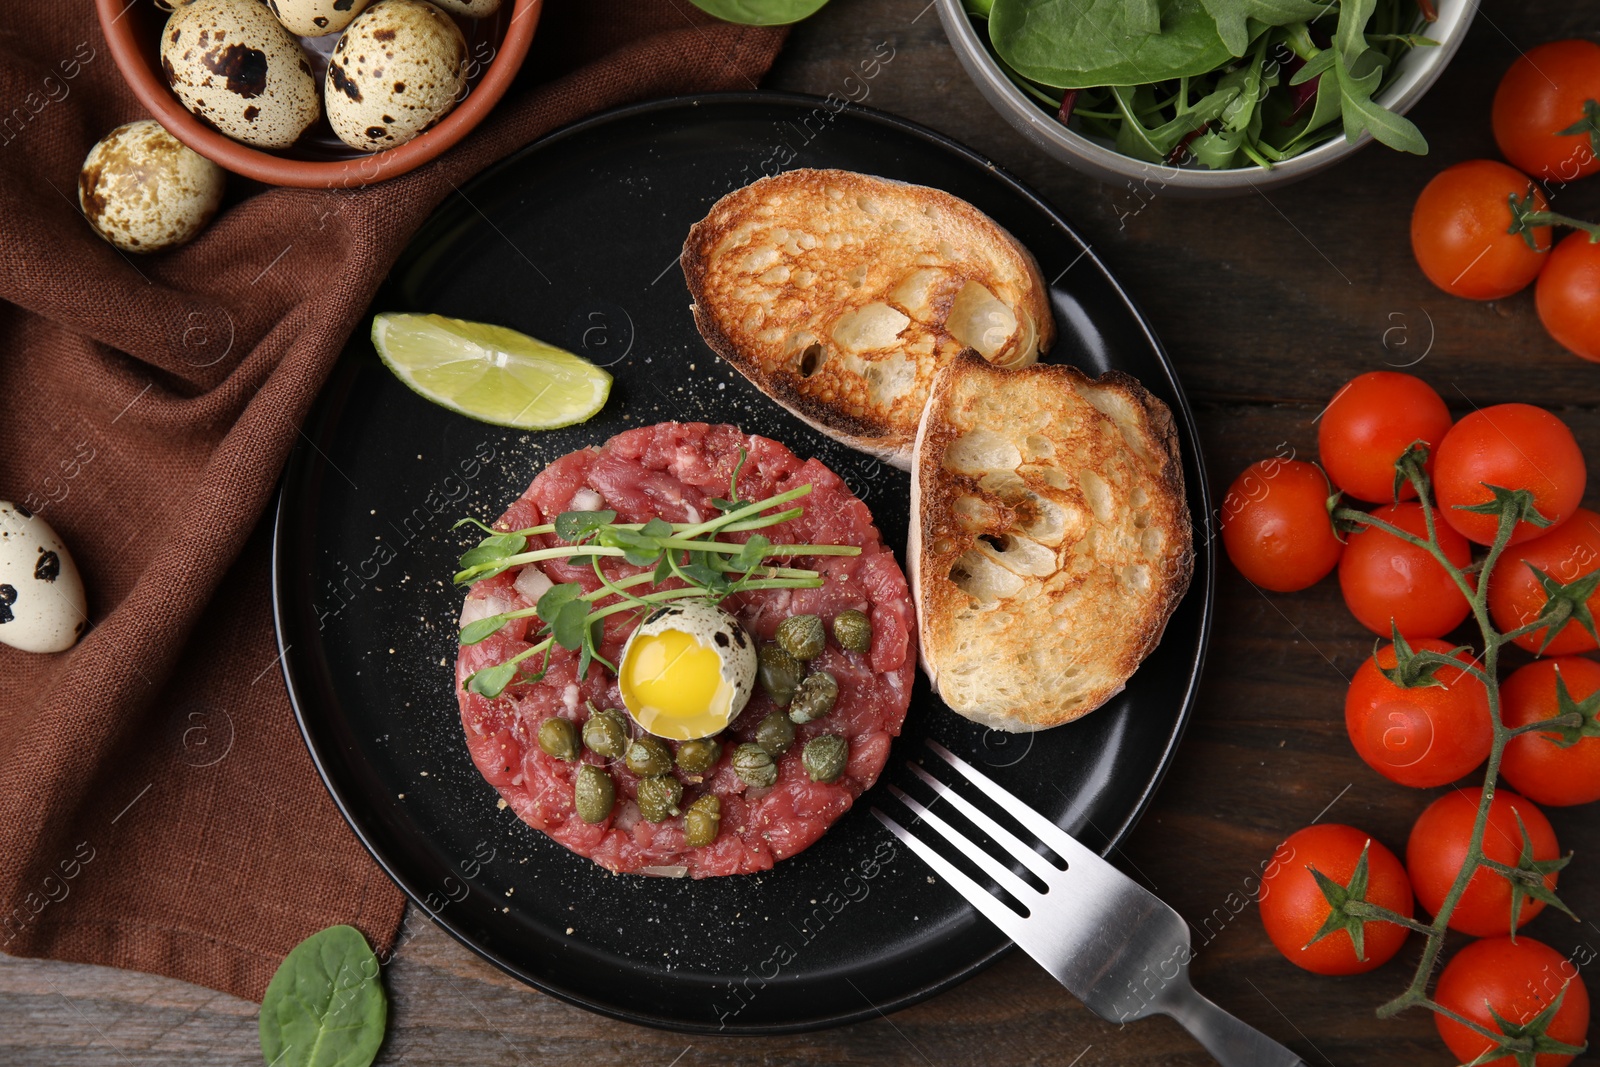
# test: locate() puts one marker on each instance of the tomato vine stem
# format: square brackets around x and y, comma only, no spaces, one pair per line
[1513,508]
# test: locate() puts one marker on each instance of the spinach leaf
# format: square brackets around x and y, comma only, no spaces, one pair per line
[325,1006]
[1083,44]
[1233,17]
[760,12]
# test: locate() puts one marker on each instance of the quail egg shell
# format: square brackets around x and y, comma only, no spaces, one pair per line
[42,606]
[398,69]
[472,9]
[316,18]
[687,671]
[144,190]
[236,67]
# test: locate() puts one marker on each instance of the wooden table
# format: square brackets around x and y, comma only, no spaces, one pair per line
[1267,304]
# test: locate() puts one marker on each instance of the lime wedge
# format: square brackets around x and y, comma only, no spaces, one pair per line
[490,373]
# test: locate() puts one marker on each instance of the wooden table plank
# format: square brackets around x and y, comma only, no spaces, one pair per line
[1267,303]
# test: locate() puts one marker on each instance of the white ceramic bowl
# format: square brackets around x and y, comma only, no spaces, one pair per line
[1417,70]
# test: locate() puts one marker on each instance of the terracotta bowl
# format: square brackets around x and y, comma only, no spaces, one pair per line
[496,46]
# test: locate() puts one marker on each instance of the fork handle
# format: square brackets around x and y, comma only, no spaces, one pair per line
[1232,1042]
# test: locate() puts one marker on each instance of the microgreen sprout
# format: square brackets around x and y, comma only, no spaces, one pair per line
[682,560]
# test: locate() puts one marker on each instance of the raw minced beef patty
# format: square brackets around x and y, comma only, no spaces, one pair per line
[673,470]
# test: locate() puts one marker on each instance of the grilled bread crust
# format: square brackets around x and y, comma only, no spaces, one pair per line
[840,295]
[1050,539]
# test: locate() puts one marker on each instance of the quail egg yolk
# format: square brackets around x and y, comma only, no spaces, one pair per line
[673,686]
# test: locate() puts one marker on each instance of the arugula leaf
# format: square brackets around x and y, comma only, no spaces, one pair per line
[1349,37]
[1362,113]
[1314,66]
[760,12]
[574,527]
[1360,72]
[325,1005]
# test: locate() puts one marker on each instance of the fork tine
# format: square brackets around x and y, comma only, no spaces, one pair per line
[992,908]
[1064,844]
[992,867]
[1013,844]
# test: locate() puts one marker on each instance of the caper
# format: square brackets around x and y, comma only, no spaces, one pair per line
[558,738]
[780,673]
[593,794]
[825,756]
[754,766]
[658,797]
[802,637]
[699,756]
[815,697]
[647,757]
[853,630]
[702,821]
[775,734]
[606,733]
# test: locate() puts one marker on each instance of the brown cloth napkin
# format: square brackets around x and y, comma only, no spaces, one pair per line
[158,810]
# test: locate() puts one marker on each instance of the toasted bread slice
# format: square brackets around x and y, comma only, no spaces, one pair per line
[1050,538]
[840,295]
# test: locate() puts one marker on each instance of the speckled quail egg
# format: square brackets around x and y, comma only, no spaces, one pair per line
[144,190]
[472,9]
[398,69]
[316,18]
[687,670]
[42,606]
[236,67]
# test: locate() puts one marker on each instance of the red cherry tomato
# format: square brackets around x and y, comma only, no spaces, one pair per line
[1551,88]
[1516,981]
[1275,525]
[1460,231]
[1383,578]
[1534,764]
[1293,908]
[1422,736]
[1514,446]
[1369,423]
[1568,552]
[1438,847]
[1569,296]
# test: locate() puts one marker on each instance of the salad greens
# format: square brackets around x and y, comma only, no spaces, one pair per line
[325,1005]
[690,555]
[1226,83]
[760,12]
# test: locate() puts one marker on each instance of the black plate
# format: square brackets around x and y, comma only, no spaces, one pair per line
[576,240]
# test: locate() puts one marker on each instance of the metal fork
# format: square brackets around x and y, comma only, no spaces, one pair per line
[1115,946]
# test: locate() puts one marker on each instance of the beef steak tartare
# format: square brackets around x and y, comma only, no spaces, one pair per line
[674,471]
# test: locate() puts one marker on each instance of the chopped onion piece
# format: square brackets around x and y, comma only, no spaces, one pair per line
[665,872]
[481,607]
[532,583]
[587,500]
